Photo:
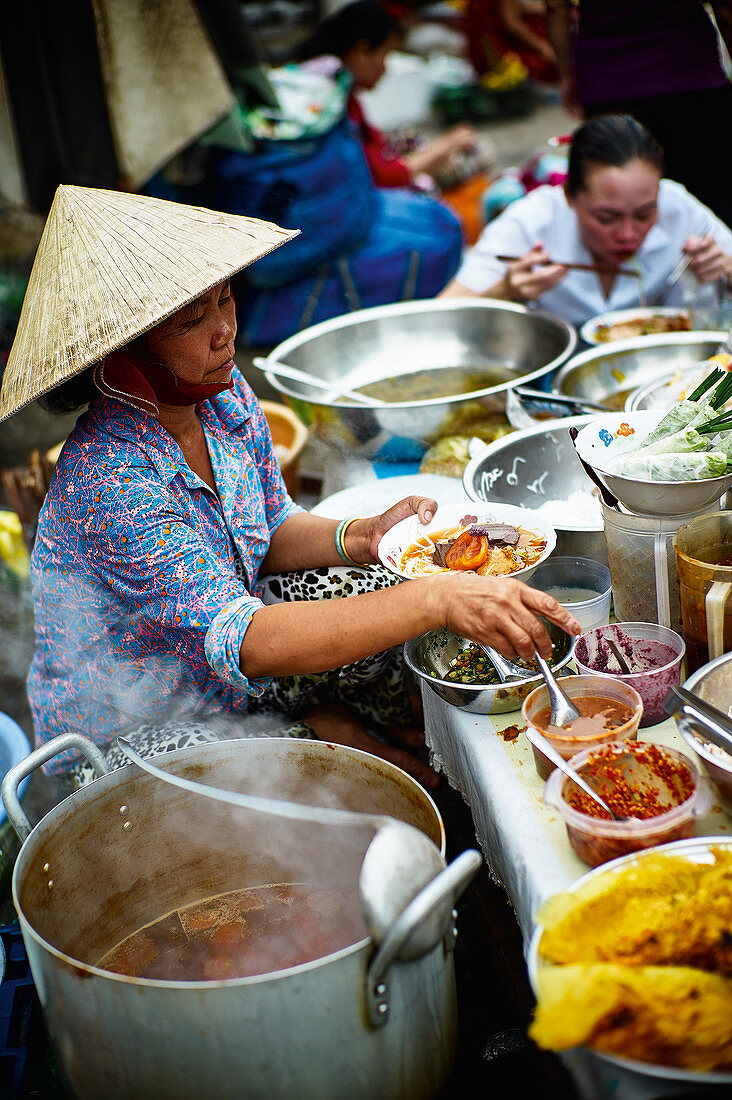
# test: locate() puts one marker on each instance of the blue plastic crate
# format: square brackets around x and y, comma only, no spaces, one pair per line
[18,1003]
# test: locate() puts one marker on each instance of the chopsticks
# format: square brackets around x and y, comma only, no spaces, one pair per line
[601,269]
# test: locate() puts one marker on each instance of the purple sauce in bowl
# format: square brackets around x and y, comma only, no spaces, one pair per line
[653,653]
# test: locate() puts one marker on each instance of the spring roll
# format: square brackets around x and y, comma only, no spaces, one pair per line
[685,414]
[689,466]
[687,440]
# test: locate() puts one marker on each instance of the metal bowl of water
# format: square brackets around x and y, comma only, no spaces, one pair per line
[429,659]
[439,364]
[608,374]
[538,468]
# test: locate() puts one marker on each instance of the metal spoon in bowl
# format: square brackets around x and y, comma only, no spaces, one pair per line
[332,388]
[563,711]
[545,747]
[624,666]
[507,670]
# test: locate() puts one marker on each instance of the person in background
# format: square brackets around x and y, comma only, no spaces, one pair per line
[615,210]
[176,584]
[361,35]
[495,28]
[658,60]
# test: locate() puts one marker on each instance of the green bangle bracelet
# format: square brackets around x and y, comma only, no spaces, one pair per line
[340,544]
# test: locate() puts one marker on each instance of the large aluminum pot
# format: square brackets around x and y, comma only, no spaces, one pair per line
[609,373]
[393,341]
[128,848]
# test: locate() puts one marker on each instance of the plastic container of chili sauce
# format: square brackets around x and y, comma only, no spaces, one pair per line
[657,789]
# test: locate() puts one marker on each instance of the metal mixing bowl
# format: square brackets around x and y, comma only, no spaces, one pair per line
[712,683]
[663,392]
[393,341]
[429,658]
[535,465]
[610,372]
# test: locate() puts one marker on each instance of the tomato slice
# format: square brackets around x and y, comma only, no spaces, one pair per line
[467,552]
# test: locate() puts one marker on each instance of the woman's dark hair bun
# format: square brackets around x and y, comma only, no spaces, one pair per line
[611,140]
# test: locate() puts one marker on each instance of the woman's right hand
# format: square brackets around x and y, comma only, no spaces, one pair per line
[532,275]
[499,612]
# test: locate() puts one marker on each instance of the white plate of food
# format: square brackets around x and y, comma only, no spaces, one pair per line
[630,963]
[659,484]
[514,542]
[628,324]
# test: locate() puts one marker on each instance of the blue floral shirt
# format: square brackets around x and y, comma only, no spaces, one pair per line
[144,580]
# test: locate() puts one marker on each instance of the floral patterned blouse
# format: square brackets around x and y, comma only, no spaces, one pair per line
[144,580]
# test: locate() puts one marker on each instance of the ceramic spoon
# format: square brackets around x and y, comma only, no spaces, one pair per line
[281,370]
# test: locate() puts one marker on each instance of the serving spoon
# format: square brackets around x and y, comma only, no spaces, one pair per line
[507,670]
[540,742]
[281,370]
[562,709]
[399,862]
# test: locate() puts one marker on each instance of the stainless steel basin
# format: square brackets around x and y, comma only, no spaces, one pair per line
[388,343]
[610,372]
[532,467]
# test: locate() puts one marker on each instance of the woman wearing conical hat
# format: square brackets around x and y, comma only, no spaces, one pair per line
[167,513]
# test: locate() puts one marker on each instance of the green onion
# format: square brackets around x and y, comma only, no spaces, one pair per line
[706,384]
[719,424]
[723,392]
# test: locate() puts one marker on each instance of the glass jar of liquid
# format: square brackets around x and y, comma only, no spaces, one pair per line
[704,569]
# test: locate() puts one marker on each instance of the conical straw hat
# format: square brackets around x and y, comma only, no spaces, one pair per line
[109,266]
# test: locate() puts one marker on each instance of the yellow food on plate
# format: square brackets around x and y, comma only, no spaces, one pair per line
[490,549]
[662,909]
[637,962]
[642,326]
[667,1015]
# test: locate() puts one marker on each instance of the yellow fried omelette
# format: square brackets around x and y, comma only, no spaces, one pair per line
[667,1015]
[661,909]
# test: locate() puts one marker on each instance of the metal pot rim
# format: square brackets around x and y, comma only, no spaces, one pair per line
[347,320]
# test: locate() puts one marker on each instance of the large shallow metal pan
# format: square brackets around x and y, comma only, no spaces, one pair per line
[609,373]
[394,341]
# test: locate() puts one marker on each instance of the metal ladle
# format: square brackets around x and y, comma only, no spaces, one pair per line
[545,747]
[563,711]
[398,864]
[281,370]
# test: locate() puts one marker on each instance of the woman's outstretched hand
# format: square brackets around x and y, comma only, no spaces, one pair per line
[500,612]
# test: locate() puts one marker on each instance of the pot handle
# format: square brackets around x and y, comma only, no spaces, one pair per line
[28,764]
[448,884]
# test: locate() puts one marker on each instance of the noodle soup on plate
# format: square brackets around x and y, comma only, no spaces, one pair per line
[412,549]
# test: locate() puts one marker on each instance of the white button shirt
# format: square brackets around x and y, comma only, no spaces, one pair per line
[544,215]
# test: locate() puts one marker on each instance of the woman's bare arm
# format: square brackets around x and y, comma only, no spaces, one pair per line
[312,636]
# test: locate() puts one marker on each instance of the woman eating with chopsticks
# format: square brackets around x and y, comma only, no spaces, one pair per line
[609,239]
[176,584]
